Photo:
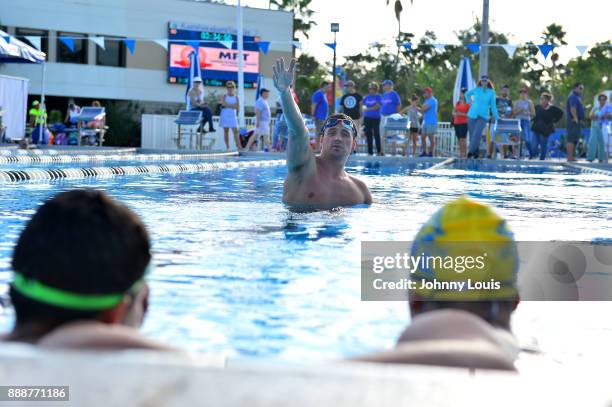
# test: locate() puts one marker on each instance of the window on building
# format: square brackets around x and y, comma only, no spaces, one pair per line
[113,54]
[79,55]
[21,34]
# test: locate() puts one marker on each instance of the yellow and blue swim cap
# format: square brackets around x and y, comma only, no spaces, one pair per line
[465,241]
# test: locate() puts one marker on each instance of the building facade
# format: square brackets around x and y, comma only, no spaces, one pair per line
[114,73]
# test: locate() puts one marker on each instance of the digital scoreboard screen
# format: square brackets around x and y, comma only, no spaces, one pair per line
[218,64]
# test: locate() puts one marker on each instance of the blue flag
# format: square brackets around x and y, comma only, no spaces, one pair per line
[408,46]
[474,48]
[332,45]
[130,44]
[69,42]
[194,70]
[264,46]
[545,49]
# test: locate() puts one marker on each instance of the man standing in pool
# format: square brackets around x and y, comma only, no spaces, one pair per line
[318,181]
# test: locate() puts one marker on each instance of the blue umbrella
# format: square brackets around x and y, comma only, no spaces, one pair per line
[14,51]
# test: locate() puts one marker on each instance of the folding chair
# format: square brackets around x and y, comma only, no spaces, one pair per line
[90,114]
[189,125]
[401,125]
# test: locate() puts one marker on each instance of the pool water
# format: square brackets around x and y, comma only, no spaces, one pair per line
[239,274]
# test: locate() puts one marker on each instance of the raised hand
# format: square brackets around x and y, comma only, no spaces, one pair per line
[283,79]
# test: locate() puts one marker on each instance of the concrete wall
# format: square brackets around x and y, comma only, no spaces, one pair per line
[144,78]
[140,378]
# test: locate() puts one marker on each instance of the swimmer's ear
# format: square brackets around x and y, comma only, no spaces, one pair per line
[516,302]
[116,314]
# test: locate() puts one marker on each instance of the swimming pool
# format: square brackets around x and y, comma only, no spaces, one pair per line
[238,274]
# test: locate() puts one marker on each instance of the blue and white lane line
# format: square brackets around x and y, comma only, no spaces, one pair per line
[75,158]
[43,174]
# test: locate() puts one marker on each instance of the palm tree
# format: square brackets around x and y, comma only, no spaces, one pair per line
[397,6]
[302,14]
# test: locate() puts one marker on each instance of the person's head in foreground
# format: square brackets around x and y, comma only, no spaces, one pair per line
[459,328]
[82,258]
[464,229]
[339,137]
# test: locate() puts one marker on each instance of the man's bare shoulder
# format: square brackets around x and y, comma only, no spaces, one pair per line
[363,188]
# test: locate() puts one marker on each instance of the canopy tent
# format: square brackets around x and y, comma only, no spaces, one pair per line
[14,51]
[464,78]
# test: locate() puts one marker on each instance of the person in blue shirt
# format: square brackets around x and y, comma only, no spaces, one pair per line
[575,114]
[391,104]
[430,122]
[483,105]
[320,108]
[600,118]
[371,117]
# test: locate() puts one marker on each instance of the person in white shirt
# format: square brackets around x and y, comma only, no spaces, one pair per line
[262,120]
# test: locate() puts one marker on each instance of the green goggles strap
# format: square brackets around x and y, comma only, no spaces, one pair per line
[82,302]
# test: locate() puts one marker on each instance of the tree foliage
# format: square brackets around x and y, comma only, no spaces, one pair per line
[302,20]
[425,66]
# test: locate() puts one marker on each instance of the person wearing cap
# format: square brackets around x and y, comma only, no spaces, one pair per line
[91,296]
[460,122]
[482,99]
[196,98]
[317,182]
[391,104]
[351,103]
[371,118]
[467,328]
[38,116]
[262,120]
[430,122]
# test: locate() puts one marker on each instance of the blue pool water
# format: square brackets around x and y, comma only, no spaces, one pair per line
[238,274]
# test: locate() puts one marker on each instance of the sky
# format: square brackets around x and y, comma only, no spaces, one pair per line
[363,22]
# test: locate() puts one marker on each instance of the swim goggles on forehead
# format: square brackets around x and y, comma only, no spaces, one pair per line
[347,124]
[40,292]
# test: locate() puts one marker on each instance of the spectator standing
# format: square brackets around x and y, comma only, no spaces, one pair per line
[391,104]
[601,114]
[524,110]
[575,115]
[196,98]
[351,103]
[546,115]
[262,120]
[320,109]
[482,102]
[72,114]
[371,118]
[38,115]
[413,116]
[504,108]
[460,122]
[230,103]
[430,122]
